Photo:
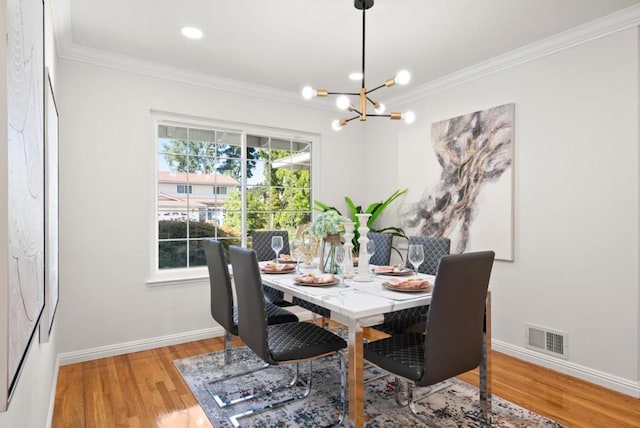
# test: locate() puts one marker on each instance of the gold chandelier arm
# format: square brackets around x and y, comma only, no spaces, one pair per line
[376,88]
[375,103]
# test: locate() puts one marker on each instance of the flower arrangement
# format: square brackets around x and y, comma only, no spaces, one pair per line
[328,223]
[375,209]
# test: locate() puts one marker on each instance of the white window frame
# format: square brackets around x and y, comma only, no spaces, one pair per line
[200,274]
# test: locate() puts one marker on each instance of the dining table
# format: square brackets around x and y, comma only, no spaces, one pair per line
[362,304]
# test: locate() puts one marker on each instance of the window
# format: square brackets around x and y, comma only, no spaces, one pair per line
[185,189]
[222,184]
[219,190]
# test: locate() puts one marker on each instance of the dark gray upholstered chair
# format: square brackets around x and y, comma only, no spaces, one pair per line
[261,244]
[453,341]
[383,241]
[434,250]
[223,310]
[280,343]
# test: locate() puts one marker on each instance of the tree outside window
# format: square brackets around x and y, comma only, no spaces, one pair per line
[206,164]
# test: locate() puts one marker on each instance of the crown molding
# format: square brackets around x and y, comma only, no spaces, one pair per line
[621,20]
[613,23]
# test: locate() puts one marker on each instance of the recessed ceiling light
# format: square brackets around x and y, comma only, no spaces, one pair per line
[191,32]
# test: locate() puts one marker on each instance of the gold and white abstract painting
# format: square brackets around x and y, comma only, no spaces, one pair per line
[470,196]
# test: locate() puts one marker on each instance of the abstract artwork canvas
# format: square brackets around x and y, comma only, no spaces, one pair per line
[471,198]
[23,186]
[51,212]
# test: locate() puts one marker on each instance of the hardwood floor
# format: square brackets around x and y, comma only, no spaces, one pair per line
[143,389]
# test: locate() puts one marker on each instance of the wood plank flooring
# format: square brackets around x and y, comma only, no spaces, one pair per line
[143,389]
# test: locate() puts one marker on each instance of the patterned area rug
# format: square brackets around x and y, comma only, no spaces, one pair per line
[455,406]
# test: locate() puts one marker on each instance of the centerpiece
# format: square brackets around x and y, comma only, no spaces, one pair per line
[328,226]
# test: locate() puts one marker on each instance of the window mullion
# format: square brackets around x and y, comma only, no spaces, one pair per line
[243,187]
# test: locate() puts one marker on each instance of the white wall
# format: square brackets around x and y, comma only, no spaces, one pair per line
[107,197]
[32,401]
[576,199]
[576,205]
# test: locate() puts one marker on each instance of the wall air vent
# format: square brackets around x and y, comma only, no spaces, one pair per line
[551,342]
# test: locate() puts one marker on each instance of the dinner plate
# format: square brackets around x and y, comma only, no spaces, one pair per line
[407,290]
[269,271]
[318,284]
[406,272]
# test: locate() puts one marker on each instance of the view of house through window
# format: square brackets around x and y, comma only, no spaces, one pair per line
[202,177]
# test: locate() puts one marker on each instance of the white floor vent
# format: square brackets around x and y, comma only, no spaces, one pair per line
[545,340]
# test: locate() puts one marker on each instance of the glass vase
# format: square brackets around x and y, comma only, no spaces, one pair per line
[329,245]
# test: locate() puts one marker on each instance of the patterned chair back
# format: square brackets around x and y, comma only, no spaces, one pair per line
[261,243]
[434,249]
[383,241]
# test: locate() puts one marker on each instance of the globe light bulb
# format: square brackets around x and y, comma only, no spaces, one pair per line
[336,125]
[409,117]
[356,75]
[380,109]
[308,92]
[343,102]
[402,78]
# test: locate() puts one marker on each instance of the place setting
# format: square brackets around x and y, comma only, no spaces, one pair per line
[395,270]
[277,268]
[409,285]
[316,280]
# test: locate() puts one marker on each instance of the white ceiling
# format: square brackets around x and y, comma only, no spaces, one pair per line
[283,45]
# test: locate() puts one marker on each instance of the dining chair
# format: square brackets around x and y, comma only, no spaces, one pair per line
[289,343]
[223,310]
[383,241]
[261,244]
[434,249]
[452,341]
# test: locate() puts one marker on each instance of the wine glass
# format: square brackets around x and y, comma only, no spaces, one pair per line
[350,272]
[416,256]
[276,245]
[298,250]
[340,257]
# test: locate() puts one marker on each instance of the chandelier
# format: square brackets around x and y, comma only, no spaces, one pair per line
[360,108]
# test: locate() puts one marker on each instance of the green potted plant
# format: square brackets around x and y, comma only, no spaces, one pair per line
[375,209]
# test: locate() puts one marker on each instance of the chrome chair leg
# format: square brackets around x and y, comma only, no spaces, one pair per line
[235,419]
[343,389]
[223,401]
[412,400]
[227,347]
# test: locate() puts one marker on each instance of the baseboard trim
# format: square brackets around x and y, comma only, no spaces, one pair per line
[606,380]
[153,342]
[137,345]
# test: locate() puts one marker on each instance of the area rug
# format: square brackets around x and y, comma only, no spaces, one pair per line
[454,406]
